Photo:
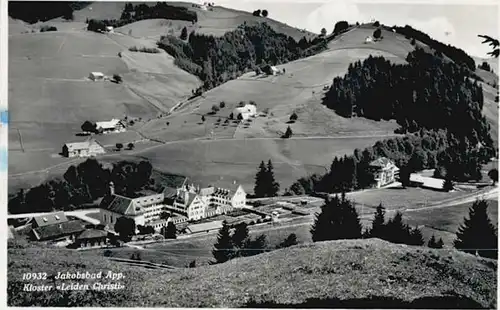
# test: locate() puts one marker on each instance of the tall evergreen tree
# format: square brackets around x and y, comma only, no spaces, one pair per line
[397,231]
[432,242]
[240,237]
[378,224]
[338,220]
[184,34]
[273,187]
[224,248]
[477,234]
[171,231]
[415,237]
[260,188]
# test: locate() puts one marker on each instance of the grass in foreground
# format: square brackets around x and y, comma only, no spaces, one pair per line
[347,270]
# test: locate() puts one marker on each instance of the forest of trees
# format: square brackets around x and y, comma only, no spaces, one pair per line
[219,59]
[82,184]
[132,13]
[457,55]
[426,86]
[34,11]
[425,149]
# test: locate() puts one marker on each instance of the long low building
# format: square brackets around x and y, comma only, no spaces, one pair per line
[426,182]
[86,148]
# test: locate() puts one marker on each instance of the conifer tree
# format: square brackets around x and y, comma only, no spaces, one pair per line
[477,234]
[378,224]
[171,231]
[338,220]
[397,231]
[224,248]
[184,33]
[432,242]
[273,187]
[255,246]
[240,237]
[415,237]
[260,189]
[439,244]
[289,241]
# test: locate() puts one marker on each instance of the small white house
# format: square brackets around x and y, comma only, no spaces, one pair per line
[96,76]
[110,29]
[368,39]
[246,111]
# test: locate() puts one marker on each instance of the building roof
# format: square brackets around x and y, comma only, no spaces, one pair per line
[58,230]
[50,219]
[108,124]
[146,193]
[207,191]
[97,73]
[92,234]
[169,192]
[204,226]
[81,145]
[427,181]
[381,162]
[117,204]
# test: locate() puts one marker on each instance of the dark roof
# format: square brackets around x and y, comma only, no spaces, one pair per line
[58,230]
[146,192]
[50,219]
[381,162]
[169,192]
[116,203]
[92,234]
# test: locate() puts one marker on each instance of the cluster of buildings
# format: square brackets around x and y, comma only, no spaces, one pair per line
[91,147]
[177,205]
[56,227]
[385,172]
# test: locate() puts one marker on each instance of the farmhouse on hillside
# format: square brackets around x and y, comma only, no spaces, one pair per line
[146,207]
[86,148]
[247,111]
[91,238]
[270,70]
[96,76]
[110,29]
[384,171]
[114,125]
[55,226]
[426,182]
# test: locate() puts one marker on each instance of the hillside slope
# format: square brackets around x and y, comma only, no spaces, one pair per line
[347,273]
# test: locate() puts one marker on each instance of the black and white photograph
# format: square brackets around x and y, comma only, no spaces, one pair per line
[251,154]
